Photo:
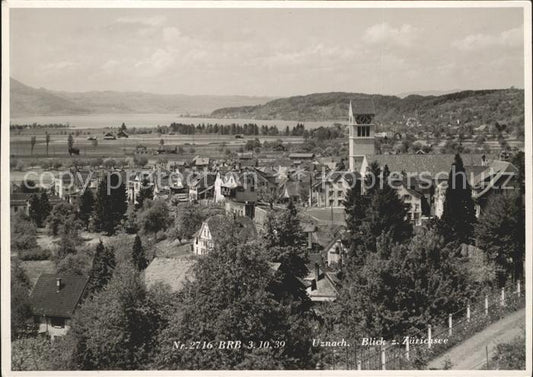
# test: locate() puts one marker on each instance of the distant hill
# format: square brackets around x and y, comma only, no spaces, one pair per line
[467,107]
[28,101]
[427,93]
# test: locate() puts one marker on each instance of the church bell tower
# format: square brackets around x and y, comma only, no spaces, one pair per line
[361,137]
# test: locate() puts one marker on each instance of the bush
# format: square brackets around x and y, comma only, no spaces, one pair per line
[35,254]
[510,355]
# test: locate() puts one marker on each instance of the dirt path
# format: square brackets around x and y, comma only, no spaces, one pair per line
[471,353]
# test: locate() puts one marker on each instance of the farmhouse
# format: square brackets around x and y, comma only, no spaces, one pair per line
[54,299]
[216,227]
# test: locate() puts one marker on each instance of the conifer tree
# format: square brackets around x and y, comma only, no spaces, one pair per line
[102,268]
[111,203]
[39,208]
[35,210]
[86,207]
[138,256]
[458,217]
[386,213]
[355,206]
[285,243]
[500,233]
[145,192]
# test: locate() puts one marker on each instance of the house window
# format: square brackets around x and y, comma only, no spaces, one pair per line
[58,322]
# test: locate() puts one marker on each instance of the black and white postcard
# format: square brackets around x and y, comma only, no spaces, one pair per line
[332,187]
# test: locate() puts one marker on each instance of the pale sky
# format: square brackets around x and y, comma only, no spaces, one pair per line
[267,52]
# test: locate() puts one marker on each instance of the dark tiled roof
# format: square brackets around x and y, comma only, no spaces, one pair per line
[432,163]
[363,106]
[243,228]
[45,299]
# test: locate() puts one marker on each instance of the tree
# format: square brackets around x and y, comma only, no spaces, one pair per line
[137,255]
[355,206]
[114,328]
[500,232]
[146,191]
[188,221]
[39,208]
[63,213]
[70,238]
[70,142]
[47,139]
[86,207]
[111,203]
[240,307]
[23,233]
[386,213]
[401,288]
[459,216]
[518,161]
[21,313]
[102,268]
[154,217]
[285,243]
[123,127]
[130,224]
[33,140]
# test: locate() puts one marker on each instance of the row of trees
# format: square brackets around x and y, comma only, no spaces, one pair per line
[235,294]
[395,281]
[232,129]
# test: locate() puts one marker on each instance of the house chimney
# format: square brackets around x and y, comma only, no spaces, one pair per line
[317,271]
[58,284]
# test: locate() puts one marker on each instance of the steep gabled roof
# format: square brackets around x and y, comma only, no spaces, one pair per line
[172,271]
[243,227]
[432,163]
[363,106]
[46,300]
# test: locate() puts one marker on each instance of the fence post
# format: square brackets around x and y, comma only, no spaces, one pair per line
[450,325]
[518,288]
[383,360]
[407,348]
[468,313]
[429,336]
[486,304]
[502,301]
[358,364]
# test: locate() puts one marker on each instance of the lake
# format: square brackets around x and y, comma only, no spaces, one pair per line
[150,120]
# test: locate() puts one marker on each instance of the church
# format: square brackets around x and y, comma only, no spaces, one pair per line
[424,201]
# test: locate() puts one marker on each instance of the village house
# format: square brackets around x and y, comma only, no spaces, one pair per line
[68,185]
[202,186]
[214,228]
[200,162]
[54,298]
[321,286]
[239,187]
[330,190]
[109,136]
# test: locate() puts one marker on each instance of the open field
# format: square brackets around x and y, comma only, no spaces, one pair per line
[210,145]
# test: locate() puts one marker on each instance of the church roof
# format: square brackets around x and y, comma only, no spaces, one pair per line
[363,106]
[432,163]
